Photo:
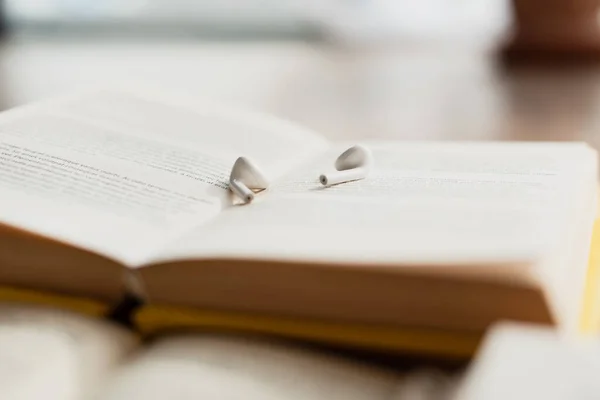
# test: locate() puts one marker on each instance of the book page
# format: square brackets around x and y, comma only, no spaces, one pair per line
[47,353]
[470,203]
[219,367]
[121,173]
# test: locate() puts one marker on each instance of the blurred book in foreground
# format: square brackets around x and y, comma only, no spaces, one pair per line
[114,191]
[210,367]
[48,353]
[521,362]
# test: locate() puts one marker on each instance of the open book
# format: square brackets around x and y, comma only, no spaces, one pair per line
[110,191]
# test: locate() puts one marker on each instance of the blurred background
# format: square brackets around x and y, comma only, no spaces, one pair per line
[396,69]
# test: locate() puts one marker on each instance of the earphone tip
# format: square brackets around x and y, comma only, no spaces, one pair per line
[354,157]
[323,179]
[248,172]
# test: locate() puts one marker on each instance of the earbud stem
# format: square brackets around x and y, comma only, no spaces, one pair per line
[241,191]
[333,178]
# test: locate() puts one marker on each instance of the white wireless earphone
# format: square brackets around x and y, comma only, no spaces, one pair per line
[353,164]
[246,177]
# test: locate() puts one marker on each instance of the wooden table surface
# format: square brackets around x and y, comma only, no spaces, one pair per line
[409,91]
